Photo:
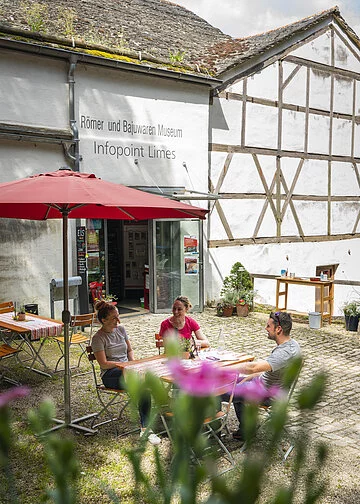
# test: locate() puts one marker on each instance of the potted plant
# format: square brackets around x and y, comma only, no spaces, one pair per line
[238,280]
[109,298]
[227,304]
[244,303]
[351,311]
[21,313]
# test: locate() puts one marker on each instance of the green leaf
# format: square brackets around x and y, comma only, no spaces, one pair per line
[310,395]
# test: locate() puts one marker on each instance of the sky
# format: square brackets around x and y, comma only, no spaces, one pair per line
[240,18]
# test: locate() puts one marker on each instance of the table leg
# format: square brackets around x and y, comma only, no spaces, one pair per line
[33,356]
[322,304]
[283,293]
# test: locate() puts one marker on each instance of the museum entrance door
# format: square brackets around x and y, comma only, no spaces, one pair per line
[176,263]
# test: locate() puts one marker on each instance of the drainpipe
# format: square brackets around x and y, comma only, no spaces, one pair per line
[71,81]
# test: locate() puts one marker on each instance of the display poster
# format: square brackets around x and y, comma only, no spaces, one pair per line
[81,249]
[190,245]
[191,255]
[191,265]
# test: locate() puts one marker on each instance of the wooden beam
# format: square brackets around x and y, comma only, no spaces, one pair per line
[345,42]
[358,181]
[224,221]
[263,210]
[322,67]
[34,133]
[285,105]
[297,221]
[221,214]
[352,151]
[331,127]
[298,197]
[291,76]
[283,239]
[292,187]
[263,180]
[307,108]
[243,113]
[215,147]
[223,172]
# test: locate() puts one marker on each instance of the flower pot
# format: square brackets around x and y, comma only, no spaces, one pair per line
[351,323]
[21,316]
[242,310]
[228,311]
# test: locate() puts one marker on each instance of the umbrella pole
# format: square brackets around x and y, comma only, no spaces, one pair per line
[66,321]
[68,422]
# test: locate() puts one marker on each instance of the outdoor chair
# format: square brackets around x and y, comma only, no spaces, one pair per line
[6,353]
[96,291]
[214,427]
[108,398]
[159,342]
[7,306]
[78,336]
[267,412]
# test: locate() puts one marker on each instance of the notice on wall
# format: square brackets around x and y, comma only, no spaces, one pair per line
[191,265]
[190,245]
[191,254]
[81,249]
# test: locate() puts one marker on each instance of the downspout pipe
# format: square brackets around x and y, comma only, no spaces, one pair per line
[75,132]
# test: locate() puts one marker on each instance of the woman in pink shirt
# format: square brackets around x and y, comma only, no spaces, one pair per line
[180,323]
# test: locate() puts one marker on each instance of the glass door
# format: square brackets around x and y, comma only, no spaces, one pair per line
[176,263]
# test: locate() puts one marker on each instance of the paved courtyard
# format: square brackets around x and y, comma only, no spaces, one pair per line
[336,420]
[330,348]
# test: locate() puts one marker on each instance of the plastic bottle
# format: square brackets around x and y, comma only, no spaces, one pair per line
[221,343]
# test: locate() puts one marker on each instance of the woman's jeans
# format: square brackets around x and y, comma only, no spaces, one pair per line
[113,378]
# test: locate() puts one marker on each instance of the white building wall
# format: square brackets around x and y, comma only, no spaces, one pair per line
[123,101]
[34,94]
[261,130]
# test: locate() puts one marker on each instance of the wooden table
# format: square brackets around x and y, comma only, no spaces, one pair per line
[34,328]
[325,298]
[158,364]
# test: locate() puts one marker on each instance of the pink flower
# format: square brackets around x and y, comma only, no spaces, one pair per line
[205,380]
[255,391]
[12,394]
[242,302]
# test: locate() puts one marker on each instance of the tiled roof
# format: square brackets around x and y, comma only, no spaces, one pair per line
[223,56]
[157,29]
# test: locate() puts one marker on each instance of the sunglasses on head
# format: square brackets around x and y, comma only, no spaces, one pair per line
[276,316]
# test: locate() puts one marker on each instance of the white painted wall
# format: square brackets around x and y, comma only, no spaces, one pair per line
[31,251]
[33,90]
[149,102]
[261,130]
[303,259]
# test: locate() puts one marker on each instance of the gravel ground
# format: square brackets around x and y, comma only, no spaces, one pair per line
[336,420]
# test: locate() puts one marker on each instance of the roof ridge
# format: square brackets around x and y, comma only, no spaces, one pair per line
[334,10]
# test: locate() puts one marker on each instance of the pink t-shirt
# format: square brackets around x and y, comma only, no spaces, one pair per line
[186,332]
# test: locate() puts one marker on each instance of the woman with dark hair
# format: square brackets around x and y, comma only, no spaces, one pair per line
[182,324]
[111,345]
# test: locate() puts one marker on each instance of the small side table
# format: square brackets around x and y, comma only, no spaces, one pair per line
[284,282]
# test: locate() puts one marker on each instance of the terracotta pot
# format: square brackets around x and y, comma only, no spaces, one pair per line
[21,316]
[228,311]
[242,310]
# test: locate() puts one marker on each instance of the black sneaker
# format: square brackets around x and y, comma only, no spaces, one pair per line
[238,435]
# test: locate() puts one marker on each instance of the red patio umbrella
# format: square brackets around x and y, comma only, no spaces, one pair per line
[63,194]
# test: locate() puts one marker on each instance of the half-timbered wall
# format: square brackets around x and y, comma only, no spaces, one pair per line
[285,161]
